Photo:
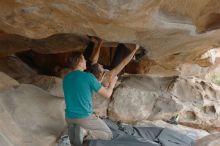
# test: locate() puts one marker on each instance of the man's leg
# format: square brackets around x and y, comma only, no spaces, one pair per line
[76,135]
[95,127]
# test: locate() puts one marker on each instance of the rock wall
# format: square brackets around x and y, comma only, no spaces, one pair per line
[141,97]
[29,115]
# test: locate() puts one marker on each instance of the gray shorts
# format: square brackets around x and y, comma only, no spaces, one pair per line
[95,127]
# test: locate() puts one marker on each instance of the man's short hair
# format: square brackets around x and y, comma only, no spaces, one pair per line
[96,71]
[75,59]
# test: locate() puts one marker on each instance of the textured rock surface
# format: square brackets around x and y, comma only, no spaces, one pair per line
[173,32]
[6,82]
[51,84]
[201,66]
[100,105]
[10,44]
[15,68]
[143,97]
[136,97]
[59,43]
[20,72]
[211,140]
[40,19]
[30,116]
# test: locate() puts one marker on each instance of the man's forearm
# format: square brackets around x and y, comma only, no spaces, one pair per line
[123,63]
[110,89]
[95,53]
[109,92]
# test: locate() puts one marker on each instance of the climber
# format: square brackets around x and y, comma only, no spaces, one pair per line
[103,75]
[78,87]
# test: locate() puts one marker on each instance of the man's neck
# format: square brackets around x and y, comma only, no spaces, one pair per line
[79,68]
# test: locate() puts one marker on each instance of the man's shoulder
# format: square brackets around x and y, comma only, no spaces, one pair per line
[75,72]
[85,74]
[69,74]
[89,74]
[80,74]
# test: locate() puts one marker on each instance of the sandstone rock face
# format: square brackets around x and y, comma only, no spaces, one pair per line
[100,105]
[6,82]
[137,96]
[15,68]
[201,66]
[59,43]
[211,140]
[51,84]
[30,116]
[22,73]
[11,43]
[143,97]
[40,19]
[173,32]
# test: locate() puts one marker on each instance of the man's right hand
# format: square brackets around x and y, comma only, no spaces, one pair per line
[107,91]
[133,46]
[96,40]
[137,47]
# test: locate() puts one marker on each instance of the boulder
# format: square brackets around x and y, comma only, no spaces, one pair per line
[16,68]
[30,116]
[53,85]
[210,140]
[7,82]
[141,97]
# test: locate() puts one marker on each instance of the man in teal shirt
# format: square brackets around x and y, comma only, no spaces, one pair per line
[78,88]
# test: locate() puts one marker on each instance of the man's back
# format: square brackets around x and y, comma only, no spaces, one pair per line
[78,88]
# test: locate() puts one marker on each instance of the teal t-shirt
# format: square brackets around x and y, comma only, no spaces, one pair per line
[78,88]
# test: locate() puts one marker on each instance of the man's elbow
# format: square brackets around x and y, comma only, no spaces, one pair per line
[105,92]
[107,95]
